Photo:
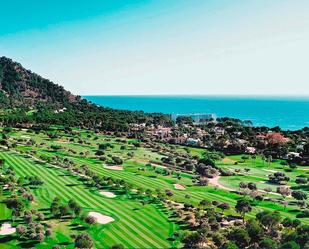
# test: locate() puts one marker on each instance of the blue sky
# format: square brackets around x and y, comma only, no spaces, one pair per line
[257,47]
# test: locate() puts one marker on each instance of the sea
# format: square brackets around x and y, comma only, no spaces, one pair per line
[290,113]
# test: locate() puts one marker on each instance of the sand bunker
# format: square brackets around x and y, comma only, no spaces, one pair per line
[269,170]
[228,160]
[179,187]
[6,229]
[108,194]
[114,167]
[101,219]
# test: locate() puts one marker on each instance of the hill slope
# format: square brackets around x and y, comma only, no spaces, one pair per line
[27,98]
[20,85]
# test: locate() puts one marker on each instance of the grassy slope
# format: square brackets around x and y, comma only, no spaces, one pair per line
[136,226]
[153,181]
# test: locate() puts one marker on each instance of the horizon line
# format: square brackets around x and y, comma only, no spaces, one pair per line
[199,95]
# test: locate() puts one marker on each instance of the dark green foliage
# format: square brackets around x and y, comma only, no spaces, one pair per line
[23,90]
[290,245]
[240,237]
[243,206]
[268,243]
[83,241]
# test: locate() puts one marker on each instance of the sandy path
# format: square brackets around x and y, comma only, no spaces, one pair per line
[159,166]
[215,182]
[101,219]
[6,229]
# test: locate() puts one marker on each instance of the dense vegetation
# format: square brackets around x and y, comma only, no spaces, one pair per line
[51,179]
[76,175]
[30,99]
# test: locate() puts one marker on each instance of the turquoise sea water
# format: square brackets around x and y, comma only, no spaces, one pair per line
[287,112]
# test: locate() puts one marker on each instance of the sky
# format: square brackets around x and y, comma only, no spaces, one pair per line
[144,47]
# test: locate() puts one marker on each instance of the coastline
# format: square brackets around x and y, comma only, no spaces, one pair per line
[290,113]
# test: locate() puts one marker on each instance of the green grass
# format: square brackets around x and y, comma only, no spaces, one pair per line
[259,171]
[136,226]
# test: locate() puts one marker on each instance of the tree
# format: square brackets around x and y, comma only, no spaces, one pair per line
[268,243]
[193,240]
[290,245]
[284,191]
[16,204]
[48,232]
[299,195]
[41,216]
[223,206]
[21,230]
[278,178]
[40,236]
[83,241]
[73,205]
[252,186]
[63,210]
[240,236]
[254,230]
[242,207]
[204,203]
[269,220]
[90,220]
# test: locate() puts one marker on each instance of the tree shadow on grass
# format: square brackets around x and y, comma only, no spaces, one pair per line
[5,220]
[79,228]
[301,187]
[44,209]
[181,222]
[7,239]
[294,211]
[63,175]
[29,244]
[170,239]
[72,185]
[65,243]
[173,216]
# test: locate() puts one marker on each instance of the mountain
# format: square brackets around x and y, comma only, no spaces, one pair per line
[26,98]
[20,86]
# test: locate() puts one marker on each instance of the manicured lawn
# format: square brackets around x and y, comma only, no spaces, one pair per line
[135,226]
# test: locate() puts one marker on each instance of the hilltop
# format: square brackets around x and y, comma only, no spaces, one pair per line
[21,86]
[32,99]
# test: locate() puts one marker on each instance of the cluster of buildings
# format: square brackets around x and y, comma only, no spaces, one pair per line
[197,118]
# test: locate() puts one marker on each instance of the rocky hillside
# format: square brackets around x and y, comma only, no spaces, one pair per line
[29,99]
[21,86]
